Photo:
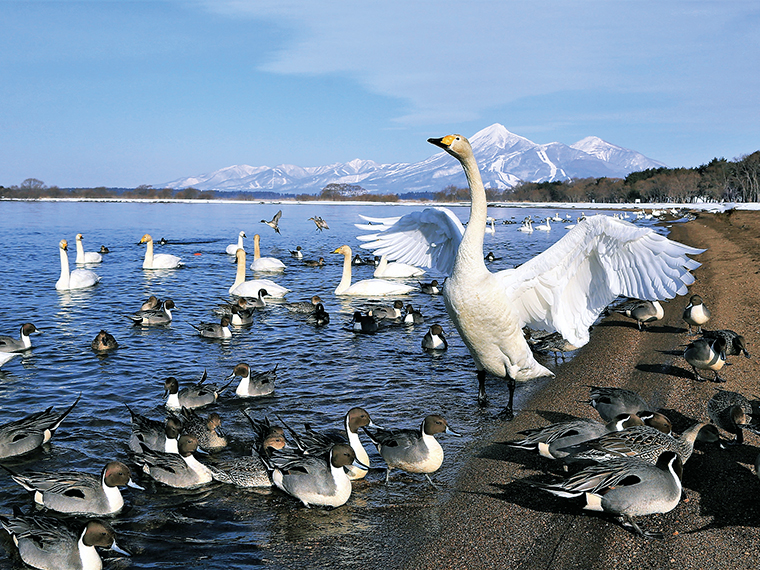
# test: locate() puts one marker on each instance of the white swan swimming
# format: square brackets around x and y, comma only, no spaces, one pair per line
[86,256]
[526,227]
[77,279]
[233,247]
[547,227]
[395,269]
[264,264]
[159,260]
[564,288]
[366,287]
[490,227]
[243,288]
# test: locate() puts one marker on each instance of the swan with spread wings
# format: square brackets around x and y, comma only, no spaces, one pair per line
[565,288]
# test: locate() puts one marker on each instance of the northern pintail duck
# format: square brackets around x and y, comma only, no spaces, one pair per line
[180,470]
[208,431]
[250,471]
[78,493]
[151,302]
[315,480]
[553,342]
[705,354]
[304,307]
[274,222]
[296,253]
[86,256]
[434,339]
[644,442]
[412,316]
[412,450]
[43,542]
[29,433]
[258,302]
[240,312]
[735,343]
[161,315]
[388,313]
[103,249]
[319,317]
[218,331]
[312,263]
[104,342]
[696,313]
[253,384]
[10,344]
[645,312]
[731,412]
[320,223]
[363,323]
[196,396]
[610,402]
[155,434]
[313,442]
[550,440]
[431,288]
[626,486]
[490,257]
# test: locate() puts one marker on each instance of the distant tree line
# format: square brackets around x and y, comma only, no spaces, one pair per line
[720,180]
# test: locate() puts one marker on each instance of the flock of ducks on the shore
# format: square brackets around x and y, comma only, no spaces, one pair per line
[631,463]
[564,289]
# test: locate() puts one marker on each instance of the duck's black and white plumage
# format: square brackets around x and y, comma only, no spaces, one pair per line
[363,323]
[434,339]
[220,330]
[696,313]
[319,317]
[610,402]
[412,316]
[628,487]
[644,312]
[10,344]
[28,433]
[705,354]
[431,288]
[304,307]
[565,288]
[161,315]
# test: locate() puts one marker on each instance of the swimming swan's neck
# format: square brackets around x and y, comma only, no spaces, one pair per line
[345,281]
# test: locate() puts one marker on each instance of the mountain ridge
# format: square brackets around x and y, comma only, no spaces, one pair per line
[505,158]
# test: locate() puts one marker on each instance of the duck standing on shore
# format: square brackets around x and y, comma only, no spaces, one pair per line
[565,288]
[696,313]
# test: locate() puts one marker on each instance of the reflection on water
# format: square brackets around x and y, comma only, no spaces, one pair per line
[322,372]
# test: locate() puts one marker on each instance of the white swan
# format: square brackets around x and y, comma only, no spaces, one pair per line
[526,227]
[86,256]
[243,288]
[394,269]
[564,288]
[544,227]
[556,218]
[265,264]
[233,247]
[366,287]
[77,279]
[159,260]
[490,228]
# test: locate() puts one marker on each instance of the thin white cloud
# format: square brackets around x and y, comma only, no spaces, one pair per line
[452,61]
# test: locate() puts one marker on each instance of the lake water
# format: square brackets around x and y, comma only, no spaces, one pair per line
[322,372]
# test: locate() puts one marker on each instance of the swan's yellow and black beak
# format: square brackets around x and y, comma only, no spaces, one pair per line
[444,142]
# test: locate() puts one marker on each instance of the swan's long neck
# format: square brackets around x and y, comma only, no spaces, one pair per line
[65,275]
[256,250]
[149,254]
[345,281]
[240,275]
[240,242]
[80,251]
[471,248]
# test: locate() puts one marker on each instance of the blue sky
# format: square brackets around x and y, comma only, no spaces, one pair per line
[112,93]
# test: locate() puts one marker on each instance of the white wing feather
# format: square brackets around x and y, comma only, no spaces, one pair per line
[566,287]
[427,238]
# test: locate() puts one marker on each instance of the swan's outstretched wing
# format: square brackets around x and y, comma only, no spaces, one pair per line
[427,238]
[568,285]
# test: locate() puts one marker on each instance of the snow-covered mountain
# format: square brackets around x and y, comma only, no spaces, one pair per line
[505,160]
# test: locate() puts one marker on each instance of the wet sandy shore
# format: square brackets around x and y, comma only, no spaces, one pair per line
[493,519]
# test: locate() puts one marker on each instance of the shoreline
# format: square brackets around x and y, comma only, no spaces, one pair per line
[714,207]
[493,519]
